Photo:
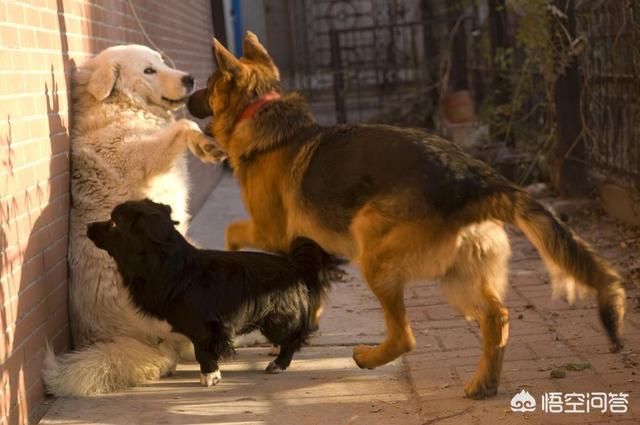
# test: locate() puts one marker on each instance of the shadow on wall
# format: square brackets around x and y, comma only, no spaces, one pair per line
[36,313]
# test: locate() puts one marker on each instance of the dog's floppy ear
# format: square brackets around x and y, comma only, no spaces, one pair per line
[227,62]
[103,80]
[198,104]
[253,50]
[155,226]
[166,209]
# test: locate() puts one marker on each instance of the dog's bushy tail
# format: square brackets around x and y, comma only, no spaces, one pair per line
[317,267]
[572,263]
[105,367]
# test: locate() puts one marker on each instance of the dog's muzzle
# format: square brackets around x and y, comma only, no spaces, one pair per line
[97,231]
[198,104]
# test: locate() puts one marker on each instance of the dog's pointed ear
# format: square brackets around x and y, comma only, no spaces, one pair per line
[227,62]
[253,50]
[103,80]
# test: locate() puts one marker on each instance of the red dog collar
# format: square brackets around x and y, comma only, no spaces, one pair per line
[251,109]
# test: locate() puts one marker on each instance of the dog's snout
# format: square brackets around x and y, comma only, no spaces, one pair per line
[188,82]
[96,231]
[198,104]
[92,230]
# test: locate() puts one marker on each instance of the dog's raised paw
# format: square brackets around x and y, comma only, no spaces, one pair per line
[207,150]
[210,379]
[274,367]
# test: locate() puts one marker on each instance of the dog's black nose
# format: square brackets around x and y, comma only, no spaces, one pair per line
[92,231]
[97,231]
[187,82]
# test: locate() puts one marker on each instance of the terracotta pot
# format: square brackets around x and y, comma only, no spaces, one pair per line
[457,107]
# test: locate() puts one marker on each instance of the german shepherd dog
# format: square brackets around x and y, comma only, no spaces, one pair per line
[211,296]
[405,204]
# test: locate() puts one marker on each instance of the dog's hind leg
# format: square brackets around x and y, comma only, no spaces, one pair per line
[475,284]
[493,319]
[287,349]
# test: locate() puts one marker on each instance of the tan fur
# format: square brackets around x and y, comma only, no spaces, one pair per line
[398,237]
[125,145]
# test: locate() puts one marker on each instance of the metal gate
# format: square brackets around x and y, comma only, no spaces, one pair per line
[313,21]
[377,59]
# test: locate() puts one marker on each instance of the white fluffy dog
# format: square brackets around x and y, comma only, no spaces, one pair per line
[125,144]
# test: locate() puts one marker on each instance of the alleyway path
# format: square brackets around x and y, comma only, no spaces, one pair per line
[324,386]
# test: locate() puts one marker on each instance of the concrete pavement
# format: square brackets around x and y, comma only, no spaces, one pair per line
[324,386]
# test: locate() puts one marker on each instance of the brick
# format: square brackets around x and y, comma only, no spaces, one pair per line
[62,339]
[32,269]
[35,393]
[57,321]
[59,228]
[55,253]
[31,321]
[32,17]
[57,299]
[9,37]
[33,365]
[35,242]
[59,164]
[15,13]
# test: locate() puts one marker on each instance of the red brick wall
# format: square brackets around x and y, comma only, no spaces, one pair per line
[40,42]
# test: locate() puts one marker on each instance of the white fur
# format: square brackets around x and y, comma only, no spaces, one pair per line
[125,144]
[210,379]
[481,267]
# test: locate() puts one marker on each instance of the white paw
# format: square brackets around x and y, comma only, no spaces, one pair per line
[210,379]
[207,150]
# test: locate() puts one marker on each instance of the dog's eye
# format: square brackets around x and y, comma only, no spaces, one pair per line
[149,70]
[113,224]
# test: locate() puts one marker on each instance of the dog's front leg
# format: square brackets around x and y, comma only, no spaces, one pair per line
[239,235]
[156,154]
[210,374]
[207,150]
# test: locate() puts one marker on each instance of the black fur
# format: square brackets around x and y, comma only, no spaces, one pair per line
[211,296]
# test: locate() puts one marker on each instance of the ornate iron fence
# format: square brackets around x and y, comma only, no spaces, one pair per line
[313,21]
[610,69]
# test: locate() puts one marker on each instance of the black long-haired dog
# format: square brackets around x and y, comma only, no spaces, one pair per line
[210,296]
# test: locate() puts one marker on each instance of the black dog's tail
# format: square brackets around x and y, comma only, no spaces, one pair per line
[317,267]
